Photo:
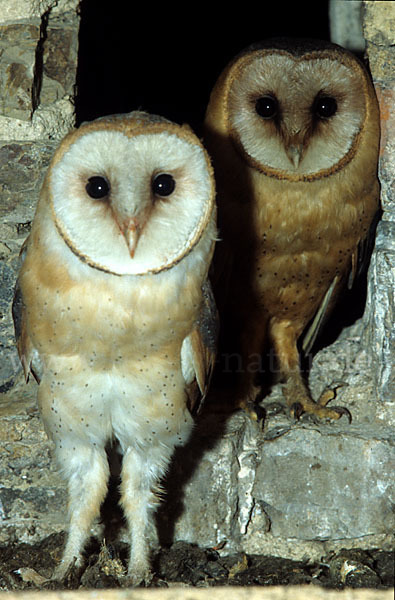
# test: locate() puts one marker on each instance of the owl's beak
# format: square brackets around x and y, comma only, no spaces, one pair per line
[131,227]
[131,232]
[295,153]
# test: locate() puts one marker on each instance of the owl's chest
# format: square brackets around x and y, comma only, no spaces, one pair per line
[105,321]
[302,242]
[111,354]
[305,223]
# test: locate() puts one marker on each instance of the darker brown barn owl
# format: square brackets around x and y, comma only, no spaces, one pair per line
[293,130]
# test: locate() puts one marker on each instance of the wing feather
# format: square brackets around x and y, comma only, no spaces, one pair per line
[28,355]
[198,353]
[359,263]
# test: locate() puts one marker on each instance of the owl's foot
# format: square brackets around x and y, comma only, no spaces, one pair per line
[66,569]
[137,578]
[149,580]
[248,402]
[254,411]
[305,404]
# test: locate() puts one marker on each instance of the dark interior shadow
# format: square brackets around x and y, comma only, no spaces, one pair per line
[132,57]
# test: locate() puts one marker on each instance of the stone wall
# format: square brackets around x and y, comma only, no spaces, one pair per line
[38,62]
[379,332]
[293,489]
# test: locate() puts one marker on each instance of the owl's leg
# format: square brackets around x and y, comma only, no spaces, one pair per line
[298,397]
[251,369]
[86,469]
[141,472]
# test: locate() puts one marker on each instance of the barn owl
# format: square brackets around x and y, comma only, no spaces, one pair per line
[114,314]
[292,127]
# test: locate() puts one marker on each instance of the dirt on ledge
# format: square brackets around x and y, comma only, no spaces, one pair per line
[24,566]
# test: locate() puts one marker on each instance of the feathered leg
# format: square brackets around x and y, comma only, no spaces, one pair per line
[141,473]
[86,469]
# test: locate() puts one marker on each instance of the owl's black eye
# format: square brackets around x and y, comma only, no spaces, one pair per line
[97,187]
[163,185]
[324,106]
[266,107]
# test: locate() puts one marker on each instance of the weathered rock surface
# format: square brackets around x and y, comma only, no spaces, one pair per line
[291,490]
[38,62]
[379,318]
[345,20]
[23,165]
[32,497]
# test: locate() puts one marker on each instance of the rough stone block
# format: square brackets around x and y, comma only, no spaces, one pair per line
[312,487]
[379,334]
[345,19]
[22,168]
[32,496]
[18,45]
[286,491]
[379,23]
[59,58]
[12,11]
[38,63]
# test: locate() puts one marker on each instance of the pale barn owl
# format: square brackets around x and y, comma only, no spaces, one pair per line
[114,314]
[292,127]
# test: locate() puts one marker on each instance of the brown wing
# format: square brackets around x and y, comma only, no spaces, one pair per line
[361,257]
[27,354]
[202,349]
[359,263]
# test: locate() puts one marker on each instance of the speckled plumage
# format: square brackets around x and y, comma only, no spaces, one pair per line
[297,196]
[115,353]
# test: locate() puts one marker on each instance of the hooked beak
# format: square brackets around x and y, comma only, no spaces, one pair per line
[295,153]
[132,227]
[131,232]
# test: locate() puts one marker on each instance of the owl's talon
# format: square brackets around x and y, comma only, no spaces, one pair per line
[138,578]
[64,571]
[297,410]
[256,412]
[260,413]
[329,394]
[341,410]
[318,410]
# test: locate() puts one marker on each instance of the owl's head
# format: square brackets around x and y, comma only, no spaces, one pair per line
[295,109]
[131,194]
